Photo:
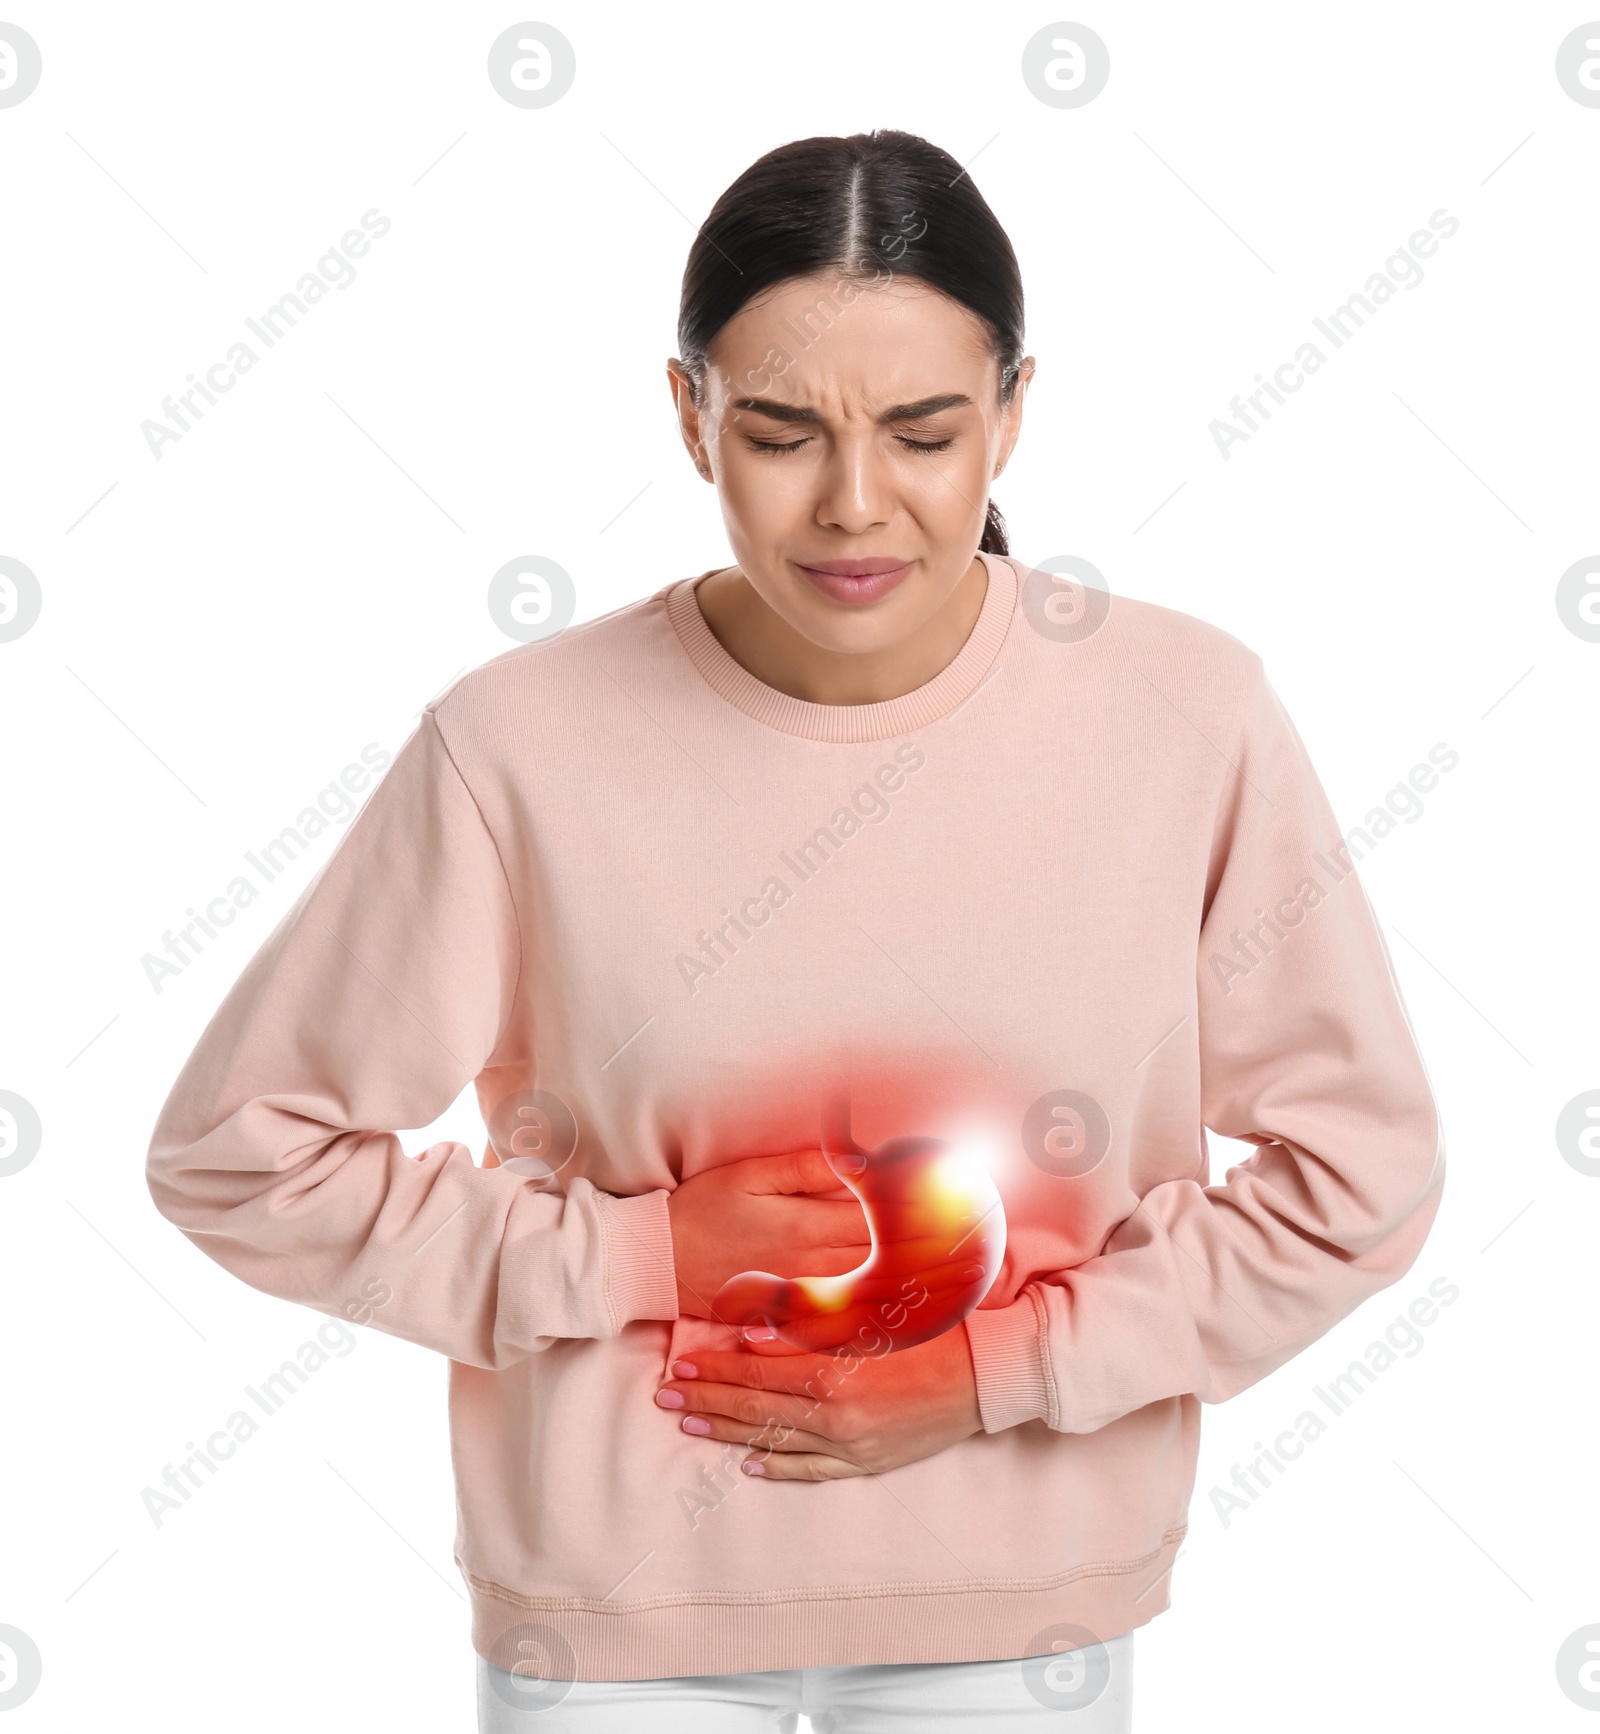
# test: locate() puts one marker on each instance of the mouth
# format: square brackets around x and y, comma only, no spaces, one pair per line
[856,581]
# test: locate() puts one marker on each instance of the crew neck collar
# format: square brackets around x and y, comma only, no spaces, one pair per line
[925,704]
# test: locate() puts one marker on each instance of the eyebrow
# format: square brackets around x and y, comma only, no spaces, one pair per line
[793,412]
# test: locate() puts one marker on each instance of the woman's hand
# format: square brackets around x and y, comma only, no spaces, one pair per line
[822,1417]
[785,1213]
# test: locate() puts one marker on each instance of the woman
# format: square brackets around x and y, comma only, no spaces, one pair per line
[875,812]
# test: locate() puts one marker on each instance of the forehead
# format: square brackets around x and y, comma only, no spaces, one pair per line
[815,338]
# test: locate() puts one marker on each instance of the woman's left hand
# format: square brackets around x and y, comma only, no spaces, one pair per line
[821,1417]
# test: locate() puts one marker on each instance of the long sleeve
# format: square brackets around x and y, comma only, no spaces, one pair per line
[384,990]
[1306,1051]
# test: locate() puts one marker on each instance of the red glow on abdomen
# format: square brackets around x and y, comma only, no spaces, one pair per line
[938,1233]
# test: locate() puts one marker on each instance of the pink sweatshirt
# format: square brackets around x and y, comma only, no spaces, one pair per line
[1081,895]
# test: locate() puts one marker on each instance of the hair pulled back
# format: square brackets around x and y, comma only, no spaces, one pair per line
[861,207]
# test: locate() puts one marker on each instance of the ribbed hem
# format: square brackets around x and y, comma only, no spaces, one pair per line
[1008,1356]
[641,1278]
[964,1620]
[957,680]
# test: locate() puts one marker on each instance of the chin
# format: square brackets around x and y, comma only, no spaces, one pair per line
[855,629]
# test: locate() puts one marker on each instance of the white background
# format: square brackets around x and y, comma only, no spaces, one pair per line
[227,626]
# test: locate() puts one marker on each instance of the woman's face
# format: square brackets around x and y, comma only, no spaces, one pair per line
[852,432]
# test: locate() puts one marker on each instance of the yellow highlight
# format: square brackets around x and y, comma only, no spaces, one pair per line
[938,1234]
[959,1180]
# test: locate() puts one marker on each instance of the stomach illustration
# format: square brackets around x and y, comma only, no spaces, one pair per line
[938,1235]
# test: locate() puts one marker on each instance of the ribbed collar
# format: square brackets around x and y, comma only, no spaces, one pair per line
[850,722]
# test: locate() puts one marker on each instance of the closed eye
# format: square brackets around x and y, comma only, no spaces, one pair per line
[908,443]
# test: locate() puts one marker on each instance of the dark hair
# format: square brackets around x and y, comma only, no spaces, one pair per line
[857,206]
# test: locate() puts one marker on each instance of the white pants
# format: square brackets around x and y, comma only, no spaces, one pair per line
[1075,1693]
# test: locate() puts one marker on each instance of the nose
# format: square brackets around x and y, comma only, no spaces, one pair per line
[855,490]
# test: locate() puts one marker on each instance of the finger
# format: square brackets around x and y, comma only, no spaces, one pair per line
[787,1372]
[764,1341]
[761,1341]
[791,1171]
[800,1466]
[813,1404]
[819,1258]
[771,1439]
[926,1258]
[858,1329]
[814,1221]
[900,1276]
[738,1403]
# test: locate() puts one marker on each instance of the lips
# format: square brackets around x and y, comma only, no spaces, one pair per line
[856,581]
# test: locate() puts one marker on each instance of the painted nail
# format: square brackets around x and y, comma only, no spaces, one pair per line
[696,1424]
[754,1467]
[685,1370]
[670,1399]
[760,1334]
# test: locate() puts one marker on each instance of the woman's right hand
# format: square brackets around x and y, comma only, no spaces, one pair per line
[787,1214]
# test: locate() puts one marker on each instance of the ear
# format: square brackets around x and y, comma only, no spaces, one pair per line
[1011,418]
[689,418]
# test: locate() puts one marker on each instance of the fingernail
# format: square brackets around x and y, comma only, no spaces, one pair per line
[971,1274]
[760,1334]
[685,1370]
[696,1424]
[752,1467]
[670,1399]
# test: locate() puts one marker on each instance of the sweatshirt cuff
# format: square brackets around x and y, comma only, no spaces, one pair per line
[1008,1357]
[641,1279]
